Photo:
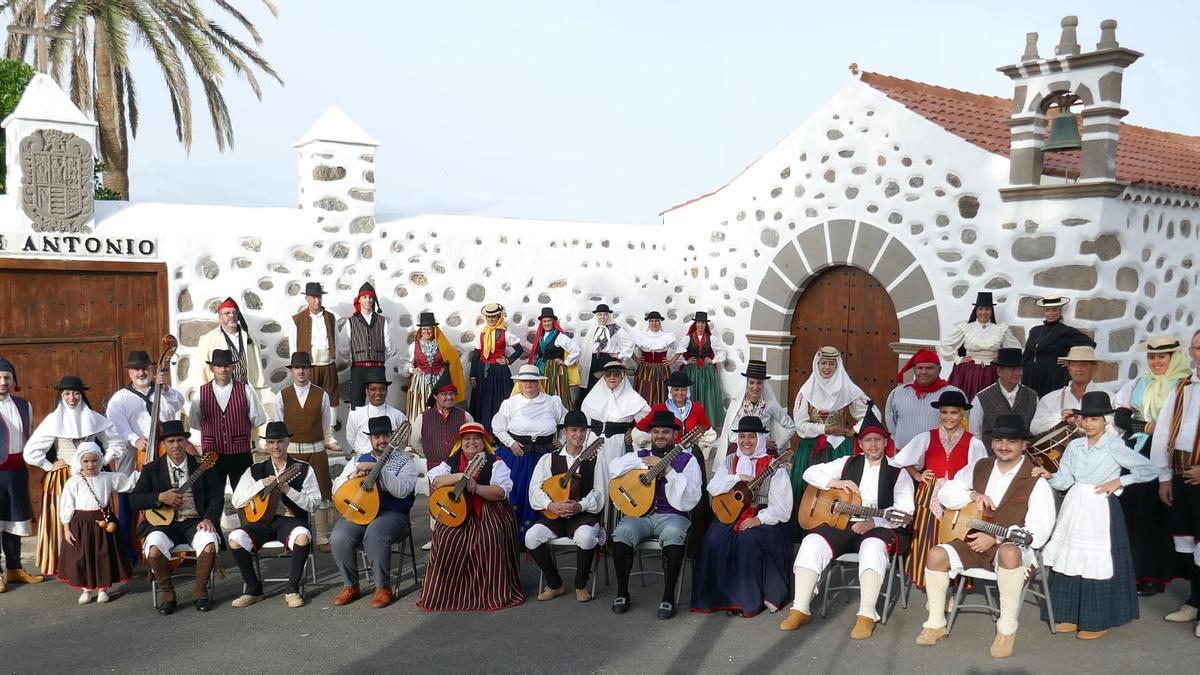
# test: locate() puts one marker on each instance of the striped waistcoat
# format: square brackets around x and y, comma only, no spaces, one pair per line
[366,340]
[227,431]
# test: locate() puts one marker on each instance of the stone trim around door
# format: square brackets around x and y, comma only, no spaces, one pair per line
[838,242]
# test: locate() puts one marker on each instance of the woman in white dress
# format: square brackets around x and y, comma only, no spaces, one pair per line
[972,346]
[826,409]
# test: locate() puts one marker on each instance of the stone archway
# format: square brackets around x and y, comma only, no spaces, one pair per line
[833,243]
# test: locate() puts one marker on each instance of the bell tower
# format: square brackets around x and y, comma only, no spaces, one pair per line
[1056,88]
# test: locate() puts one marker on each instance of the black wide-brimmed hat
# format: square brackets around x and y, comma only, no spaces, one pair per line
[300,360]
[221,357]
[426,319]
[574,418]
[602,308]
[679,379]
[314,289]
[756,370]
[138,359]
[653,315]
[1095,404]
[700,317]
[664,418]
[984,299]
[952,398]
[752,424]
[1008,357]
[379,425]
[1010,426]
[276,430]
[547,313]
[172,428]
[71,383]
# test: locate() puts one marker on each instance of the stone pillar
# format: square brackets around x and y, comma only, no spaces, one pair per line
[1099,135]
[1025,155]
[49,151]
[337,174]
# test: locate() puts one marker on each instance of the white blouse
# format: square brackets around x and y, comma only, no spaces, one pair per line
[77,497]
[981,341]
[501,474]
[779,489]
[661,341]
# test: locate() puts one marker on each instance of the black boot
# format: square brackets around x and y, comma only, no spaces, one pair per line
[583,566]
[544,557]
[299,557]
[672,560]
[245,563]
[623,562]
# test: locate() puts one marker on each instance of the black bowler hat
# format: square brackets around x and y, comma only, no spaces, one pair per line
[1008,357]
[1095,404]
[952,398]
[547,313]
[653,315]
[700,317]
[221,357]
[426,319]
[138,359]
[574,418]
[679,379]
[751,424]
[1010,426]
[300,360]
[276,430]
[379,425]
[71,383]
[313,288]
[171,429]
[664,418]
[984,299]
[602,308]
[756,370]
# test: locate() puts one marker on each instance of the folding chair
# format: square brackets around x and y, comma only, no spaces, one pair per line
[398,549]
[986,579]
[279,552]
[846,567]
[558,546]
[188,554]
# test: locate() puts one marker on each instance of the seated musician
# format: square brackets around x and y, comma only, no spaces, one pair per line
[578,515]
[396,483]
[289,524]
[1005,486]
[474,566]
[743,566]
[881,485]
[197,515]
[676,494]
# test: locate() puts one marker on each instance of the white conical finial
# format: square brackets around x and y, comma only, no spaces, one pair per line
[335,126]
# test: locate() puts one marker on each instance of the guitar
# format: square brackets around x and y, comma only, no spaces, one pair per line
[151,453]
[161,514]
[559,486]
[633,492]
[446,504]
[357,499]
[728,506]
[262,506]
[970,518]
[835,507]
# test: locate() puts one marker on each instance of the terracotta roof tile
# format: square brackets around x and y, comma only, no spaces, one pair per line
[1148,157]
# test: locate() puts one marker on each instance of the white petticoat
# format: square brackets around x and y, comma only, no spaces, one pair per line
[1080,545]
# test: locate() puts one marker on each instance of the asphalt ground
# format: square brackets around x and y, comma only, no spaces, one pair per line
[43,630]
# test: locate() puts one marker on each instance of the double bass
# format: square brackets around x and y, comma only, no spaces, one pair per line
[152,451]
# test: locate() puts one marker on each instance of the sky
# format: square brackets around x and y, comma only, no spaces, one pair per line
[602,111]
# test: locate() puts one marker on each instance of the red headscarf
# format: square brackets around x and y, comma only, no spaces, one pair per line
[922,356]
[366,291]
[537,339]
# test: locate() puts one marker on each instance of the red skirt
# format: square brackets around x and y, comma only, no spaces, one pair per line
[474,566]
[96,560]
[972,378]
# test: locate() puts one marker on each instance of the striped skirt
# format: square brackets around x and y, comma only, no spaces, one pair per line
[925,534]
[650,380]
[474,566]
[96,560]
[706,390]
[419,389]
[558,381]
[49,532]
[1100,604]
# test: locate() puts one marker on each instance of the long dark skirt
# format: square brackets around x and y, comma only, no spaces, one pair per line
[743,571]
[474,566]
[1148,522]
[702,514]
[971,378]
[493,385]
[96,560]
[1045,375]
[1099,604]
[522,471]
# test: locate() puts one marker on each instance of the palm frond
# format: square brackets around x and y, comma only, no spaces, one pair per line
[131,102]
[229,45]
[242,19]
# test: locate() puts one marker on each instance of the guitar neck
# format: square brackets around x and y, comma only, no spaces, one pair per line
[191,481]
[771,470]
[281,480]
[588,453]
[377,470]
[473,469]
[664,462]
[860,510]
[990,528]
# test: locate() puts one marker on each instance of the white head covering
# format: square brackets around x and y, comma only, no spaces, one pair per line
[734,414]
[829,395]
[611,405]
[84,448]
[78,422]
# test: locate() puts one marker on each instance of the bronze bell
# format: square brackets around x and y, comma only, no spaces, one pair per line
[1064,133]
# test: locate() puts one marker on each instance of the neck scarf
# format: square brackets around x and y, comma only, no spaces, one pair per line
[612,405]
[487,337]
[1156,387]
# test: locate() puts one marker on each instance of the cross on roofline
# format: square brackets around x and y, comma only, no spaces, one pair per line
[42,35]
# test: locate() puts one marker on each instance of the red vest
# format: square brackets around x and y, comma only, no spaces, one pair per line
[225,431]
[936,459]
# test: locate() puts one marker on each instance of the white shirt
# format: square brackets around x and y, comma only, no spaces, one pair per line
[356,425]
[592,502]
[307,498]
[913,454]
[319,350]
[501,475]
[806,428]
[683,490]
[660,341]
[779,489]
[1039,520]
[178,473]
[980,340]
[569,346]
[76,495]
[1050,407]
[537,416]
[128,414]
[1160,454]
[821,475]
[258,416]
[618,343]
[301,397]
[399,485]
[16,433]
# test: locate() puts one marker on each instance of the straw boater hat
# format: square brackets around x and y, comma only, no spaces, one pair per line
[492,309]
[529,373]
[1161,344]
[1052,302]
[612,362]
[1080,353]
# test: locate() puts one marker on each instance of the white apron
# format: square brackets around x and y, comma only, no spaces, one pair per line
[1080,545]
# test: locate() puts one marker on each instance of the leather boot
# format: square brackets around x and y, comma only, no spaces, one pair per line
[321,520]
[204,567]
[160,567]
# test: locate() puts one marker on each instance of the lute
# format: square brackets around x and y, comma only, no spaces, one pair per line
[357,499]
[161,514]
[446,504]
[262,506]
[559,486]
[728,506]
[151,453]
[633,492]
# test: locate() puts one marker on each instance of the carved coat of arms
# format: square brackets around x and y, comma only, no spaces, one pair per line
[57,191]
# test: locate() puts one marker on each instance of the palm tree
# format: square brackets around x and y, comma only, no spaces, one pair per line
[182,38]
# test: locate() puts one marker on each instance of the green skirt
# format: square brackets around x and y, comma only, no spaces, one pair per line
[706,390]
[806,456]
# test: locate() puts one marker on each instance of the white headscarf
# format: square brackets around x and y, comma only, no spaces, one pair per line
[829,395]
[734,414]
[611,405]
[67,422]
[85,448]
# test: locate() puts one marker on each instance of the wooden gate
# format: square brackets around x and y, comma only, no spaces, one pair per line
[847,308]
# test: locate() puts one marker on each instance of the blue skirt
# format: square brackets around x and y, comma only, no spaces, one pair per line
[493,386]
[1099,604]
[743,571]
[522,472]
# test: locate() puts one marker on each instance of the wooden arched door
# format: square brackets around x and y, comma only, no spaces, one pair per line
[847,308]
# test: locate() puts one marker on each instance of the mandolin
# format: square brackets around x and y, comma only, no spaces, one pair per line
[262,506]
[357,499]
[447,504]
[633,491]
[162,514]
[728,506]
[559,487]
[152,451]
[959,523]
[835,507]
